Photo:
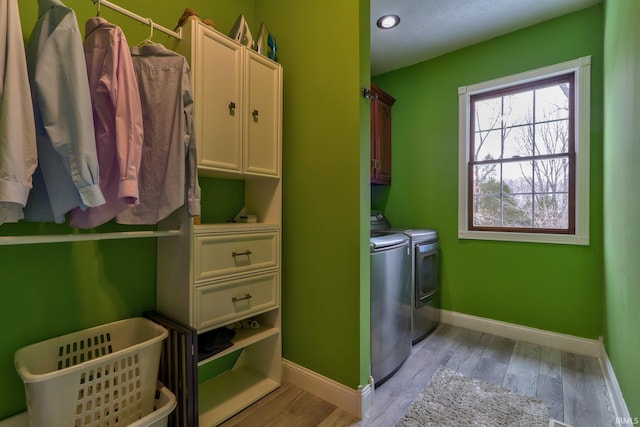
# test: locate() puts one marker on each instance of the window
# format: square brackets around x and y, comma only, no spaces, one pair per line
[524,156]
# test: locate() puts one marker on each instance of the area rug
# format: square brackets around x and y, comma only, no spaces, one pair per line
[452,399]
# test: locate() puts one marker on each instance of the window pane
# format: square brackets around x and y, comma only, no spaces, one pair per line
[488,145]
[486,211]
[518,108]
[552,137]
[485,179]
[552,103]
[517,177]
[552,175]
[552,211]
[518,142]
[488,114]
[516,210]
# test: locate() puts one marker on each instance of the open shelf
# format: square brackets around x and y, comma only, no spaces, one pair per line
[229,393]
[243,338]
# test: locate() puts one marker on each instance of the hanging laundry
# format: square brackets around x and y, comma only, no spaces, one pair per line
[117,116]
[67,173]
[168,173]
[18,156]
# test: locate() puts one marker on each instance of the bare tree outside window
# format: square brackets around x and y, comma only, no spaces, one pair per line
[521,169]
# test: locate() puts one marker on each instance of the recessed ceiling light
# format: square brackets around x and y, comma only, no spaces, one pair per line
[388,21]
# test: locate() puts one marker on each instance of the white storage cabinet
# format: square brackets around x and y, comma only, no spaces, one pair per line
[238,104]
[214,275]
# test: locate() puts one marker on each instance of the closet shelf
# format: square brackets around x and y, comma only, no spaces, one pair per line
[61,238]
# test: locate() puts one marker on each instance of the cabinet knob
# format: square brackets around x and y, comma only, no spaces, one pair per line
[232,106]
[255,113]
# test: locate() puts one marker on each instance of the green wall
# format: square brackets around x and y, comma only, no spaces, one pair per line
[53,289]
[621,200]
[551,287]
[325,189]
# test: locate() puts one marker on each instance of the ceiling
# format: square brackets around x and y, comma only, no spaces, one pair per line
[429,28]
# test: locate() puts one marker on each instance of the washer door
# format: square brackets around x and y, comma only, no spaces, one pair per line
[426,265]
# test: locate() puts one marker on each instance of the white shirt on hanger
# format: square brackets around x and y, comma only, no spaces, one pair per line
[17,129]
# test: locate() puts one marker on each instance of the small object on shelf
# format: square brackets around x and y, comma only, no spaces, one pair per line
[235,325]
[264,40]
[241,33]
[189,12]
[271,42]
[250,324]
[247,218]
[213,342]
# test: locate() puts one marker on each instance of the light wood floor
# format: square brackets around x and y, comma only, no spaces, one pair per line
[572,385]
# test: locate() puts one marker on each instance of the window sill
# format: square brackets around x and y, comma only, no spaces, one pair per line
[561,239]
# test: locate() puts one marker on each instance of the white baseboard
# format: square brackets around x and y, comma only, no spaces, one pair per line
[620,410]
[356,402]
[573,344]
[20,420]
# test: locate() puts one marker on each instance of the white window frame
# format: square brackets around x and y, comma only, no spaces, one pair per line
[581,68]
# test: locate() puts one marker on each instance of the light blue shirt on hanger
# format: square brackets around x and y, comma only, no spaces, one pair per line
[67,173]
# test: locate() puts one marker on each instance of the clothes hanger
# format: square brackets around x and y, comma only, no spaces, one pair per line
[97,2]
[148,40]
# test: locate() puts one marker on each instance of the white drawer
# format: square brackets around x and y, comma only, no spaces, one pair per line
[221,303]
[218,255]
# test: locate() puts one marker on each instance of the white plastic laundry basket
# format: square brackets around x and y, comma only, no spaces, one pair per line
[102,376]
[165,404]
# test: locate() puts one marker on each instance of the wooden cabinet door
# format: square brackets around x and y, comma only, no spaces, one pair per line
[381,103]
[217,75]
[263,105]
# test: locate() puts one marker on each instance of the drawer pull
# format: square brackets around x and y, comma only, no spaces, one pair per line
[246,296]
[235,254]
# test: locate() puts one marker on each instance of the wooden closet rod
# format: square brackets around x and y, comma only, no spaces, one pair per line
[147,21]
[61,238]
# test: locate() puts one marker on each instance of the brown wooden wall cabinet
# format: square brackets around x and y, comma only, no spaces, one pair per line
[381,103]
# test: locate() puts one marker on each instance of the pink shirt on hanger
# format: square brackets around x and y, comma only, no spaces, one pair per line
[117,116]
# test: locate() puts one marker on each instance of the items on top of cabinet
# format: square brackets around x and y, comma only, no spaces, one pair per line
[242,35]
[189,12]
[241,32]
[265,37]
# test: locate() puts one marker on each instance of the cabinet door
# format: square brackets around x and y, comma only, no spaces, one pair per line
[217,64]
[381,103]
[263,88]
